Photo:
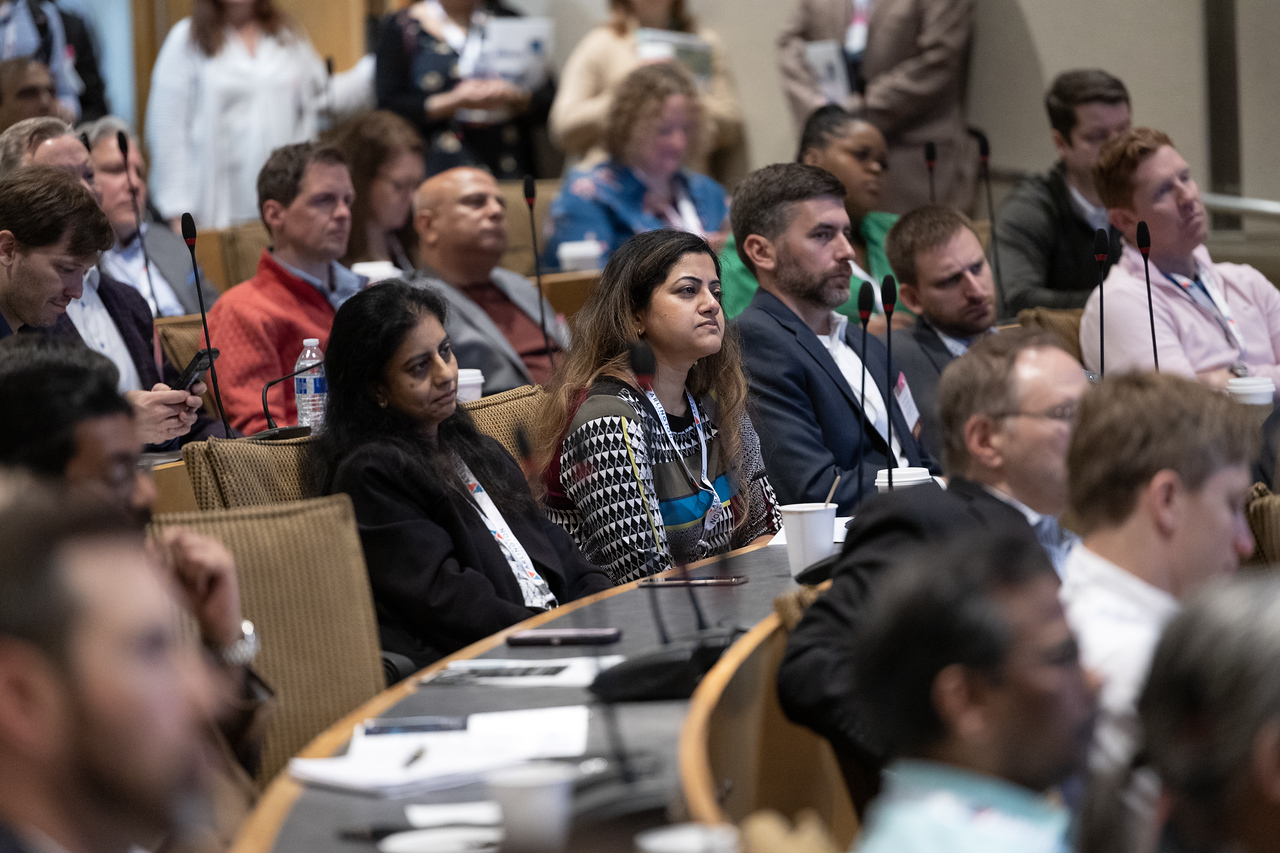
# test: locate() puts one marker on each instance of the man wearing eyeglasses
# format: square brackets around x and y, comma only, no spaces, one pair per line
[1007,408]
[945,280]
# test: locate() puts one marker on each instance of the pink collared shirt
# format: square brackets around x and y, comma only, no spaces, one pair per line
[1188,338]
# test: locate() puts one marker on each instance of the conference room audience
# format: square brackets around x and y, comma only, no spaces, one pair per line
[943,275]
[456,546]
[26,91]
[431,72]
[646,479]
[66,423]
[168,283]
[494,313]
[908,70]
[806,362]
[1159,474]
[1209,712]
[1045,229]
[643,184]
[385,156]
[610,51]
[231,84]
[972,677]
[34,28]
[1213,321]
[305,198]
[1007,410]
[855,152]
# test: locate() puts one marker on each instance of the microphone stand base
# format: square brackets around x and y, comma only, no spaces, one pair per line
[281,433]
[670,671]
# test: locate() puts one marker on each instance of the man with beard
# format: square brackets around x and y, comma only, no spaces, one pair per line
[944,278]
[65,421]
[806,363]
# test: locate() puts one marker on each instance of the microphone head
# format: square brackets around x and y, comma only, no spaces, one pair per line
[328,65]
[189,229]
[866,302]
[643,362]
[1101,245]
[122,139]
[530,190]
[1144,238]
[930,153]
[888,295]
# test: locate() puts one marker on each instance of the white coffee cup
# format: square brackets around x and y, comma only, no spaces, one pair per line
[1252,390]
[688,838]
[579,255]
[903,478]
[537,805]
[810,530]
[470,385]
[377,271]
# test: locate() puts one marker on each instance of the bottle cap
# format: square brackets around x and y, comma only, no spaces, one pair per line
[311,342]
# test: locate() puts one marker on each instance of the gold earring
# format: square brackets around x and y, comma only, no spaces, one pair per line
[382,404]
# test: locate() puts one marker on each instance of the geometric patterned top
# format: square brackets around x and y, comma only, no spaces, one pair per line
[628,502]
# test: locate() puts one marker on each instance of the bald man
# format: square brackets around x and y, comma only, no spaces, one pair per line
[461,222]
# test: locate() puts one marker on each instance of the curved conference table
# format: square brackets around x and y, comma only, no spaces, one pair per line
[294,818]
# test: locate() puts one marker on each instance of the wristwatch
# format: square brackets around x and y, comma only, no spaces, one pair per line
[1238,369]
[244,650]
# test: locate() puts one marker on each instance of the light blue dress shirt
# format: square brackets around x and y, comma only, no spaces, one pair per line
[346,284]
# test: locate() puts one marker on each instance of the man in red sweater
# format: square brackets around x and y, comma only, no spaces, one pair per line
[304,196]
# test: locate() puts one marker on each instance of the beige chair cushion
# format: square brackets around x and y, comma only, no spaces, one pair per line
[1064,323]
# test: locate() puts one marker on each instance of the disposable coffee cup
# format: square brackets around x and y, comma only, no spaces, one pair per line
[688,838]
[810,530]
[470,385]
[377,271]
[903,478]
[1252,390]
[537,806]
[579,255]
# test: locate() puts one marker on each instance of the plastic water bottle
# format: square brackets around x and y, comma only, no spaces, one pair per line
[309,387]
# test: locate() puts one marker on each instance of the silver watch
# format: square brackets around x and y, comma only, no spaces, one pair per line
[244,650]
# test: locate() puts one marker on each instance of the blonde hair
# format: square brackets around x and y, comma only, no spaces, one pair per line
[640,95]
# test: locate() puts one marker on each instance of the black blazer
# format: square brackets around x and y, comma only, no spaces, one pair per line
[922,356]
[439,580]
[816,679]
[9,842]
[806,414]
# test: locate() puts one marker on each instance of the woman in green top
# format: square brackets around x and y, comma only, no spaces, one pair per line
[856,153]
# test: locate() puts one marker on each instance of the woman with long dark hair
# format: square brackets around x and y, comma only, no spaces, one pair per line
[644,478]
[455,544]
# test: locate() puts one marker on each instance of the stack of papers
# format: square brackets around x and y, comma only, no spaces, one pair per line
[400,764]
[515,672]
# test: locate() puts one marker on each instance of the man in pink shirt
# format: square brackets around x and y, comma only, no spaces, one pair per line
[1212,321]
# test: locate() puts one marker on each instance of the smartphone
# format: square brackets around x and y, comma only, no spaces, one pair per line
[715,580]
[196,369]
[565,637]
[407,725]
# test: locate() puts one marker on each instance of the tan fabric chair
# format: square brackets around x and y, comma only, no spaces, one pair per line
[501,415]
[230,256]
[568,291]
[304,586]
[519,254]
[226,474]
[791,606]
[1263,512]
[1064,323]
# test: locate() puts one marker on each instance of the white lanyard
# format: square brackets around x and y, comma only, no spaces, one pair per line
[713,514]
[1199,292]
[533,588]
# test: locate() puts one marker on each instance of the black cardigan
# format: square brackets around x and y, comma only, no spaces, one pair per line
[439,580]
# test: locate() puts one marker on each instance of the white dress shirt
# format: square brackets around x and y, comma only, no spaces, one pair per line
[99,331]
[127,264]
[852,368]
[1117,618]
[1088,211]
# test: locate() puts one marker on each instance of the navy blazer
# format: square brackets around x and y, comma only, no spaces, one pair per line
[922,356]
[806,414]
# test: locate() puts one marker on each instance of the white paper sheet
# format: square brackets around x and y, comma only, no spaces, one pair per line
[501,672]
[826,59]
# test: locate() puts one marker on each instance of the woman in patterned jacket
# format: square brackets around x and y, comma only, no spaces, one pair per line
[650,474]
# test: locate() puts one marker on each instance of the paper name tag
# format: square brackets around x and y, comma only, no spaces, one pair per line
[907,405]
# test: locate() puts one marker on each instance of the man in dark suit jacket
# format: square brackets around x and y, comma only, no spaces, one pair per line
[1008,409]
[945,280]
[806,364]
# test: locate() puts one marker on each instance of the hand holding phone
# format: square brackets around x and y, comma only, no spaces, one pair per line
[196,368]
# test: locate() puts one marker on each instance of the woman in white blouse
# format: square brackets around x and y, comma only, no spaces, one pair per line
[232,83]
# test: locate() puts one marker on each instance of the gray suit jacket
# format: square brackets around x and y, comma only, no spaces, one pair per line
[920,354]
[169,253]
[478,342]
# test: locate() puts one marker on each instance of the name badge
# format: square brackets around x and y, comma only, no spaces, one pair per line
[907,405]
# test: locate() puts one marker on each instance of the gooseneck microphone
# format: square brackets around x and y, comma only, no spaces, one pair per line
[189,236]
[984,160]
[1144,246]
[930,161]
[531,196]
[1101,248]
[122,139]
[273,432]
[866,304]
[889,297]
[328,88]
